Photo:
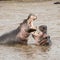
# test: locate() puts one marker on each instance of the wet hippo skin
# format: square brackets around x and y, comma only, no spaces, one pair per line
[42,38]
[21,34]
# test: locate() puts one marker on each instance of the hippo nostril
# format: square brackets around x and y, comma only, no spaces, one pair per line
[46,37]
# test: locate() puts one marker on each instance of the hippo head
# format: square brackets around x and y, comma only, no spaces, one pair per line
[42,38]
[26,27]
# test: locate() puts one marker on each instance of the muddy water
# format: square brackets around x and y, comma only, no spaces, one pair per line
[12,13]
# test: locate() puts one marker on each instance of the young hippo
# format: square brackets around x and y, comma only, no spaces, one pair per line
[42,38]
[21,34]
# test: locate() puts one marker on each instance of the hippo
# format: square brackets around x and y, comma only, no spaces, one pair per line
[57,3]
[42,38]
[21,33]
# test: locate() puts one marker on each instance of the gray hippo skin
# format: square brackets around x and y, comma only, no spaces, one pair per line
[57,3]
[42,38]
[21,34]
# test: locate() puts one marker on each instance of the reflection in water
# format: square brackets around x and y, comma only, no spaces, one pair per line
[22,52]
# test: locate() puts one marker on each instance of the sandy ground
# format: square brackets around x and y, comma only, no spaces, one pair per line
[13,13]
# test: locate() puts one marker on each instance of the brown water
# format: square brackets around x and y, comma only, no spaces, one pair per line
[12,13]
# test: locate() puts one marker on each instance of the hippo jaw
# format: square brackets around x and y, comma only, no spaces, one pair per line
[30,23]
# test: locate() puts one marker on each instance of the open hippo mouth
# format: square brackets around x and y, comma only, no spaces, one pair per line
[31,30]
[31,19]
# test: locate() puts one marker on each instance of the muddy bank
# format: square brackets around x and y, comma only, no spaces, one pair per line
[27,0]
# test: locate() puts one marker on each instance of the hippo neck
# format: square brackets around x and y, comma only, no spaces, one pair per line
[16,31]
